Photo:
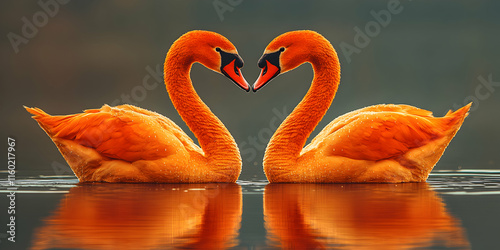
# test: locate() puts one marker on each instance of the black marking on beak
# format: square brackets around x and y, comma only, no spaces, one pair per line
[227,58]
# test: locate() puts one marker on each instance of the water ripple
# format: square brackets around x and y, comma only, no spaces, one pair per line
[447,182]
[466,182]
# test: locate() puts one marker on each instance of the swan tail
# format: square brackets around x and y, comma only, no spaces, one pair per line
[51,124]
[455,119]
[36,112]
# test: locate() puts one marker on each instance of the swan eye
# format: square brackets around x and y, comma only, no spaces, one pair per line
[218,49]
[282,49]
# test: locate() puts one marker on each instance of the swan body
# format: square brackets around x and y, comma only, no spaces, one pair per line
[380,143]
[131,144]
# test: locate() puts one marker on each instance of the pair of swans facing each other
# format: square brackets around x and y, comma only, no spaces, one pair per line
[381,143]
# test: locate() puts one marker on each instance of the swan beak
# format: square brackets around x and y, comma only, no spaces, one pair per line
[266,75]
[233,72]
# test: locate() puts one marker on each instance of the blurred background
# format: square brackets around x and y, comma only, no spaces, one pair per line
[68,56]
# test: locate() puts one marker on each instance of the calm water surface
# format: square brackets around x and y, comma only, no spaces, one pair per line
[453,210]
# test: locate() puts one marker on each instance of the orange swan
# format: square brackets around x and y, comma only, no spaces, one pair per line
[381,143]
[130,144]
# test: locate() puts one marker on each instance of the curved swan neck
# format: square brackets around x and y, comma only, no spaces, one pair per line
[215,140]
[292,134]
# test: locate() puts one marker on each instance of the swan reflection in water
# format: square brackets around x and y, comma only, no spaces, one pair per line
[359,216]
[145,216]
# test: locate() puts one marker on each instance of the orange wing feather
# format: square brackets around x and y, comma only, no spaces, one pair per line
[383,131]
[123,132]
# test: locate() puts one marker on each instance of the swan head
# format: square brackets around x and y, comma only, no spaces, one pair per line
[213,51]
[288,51]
